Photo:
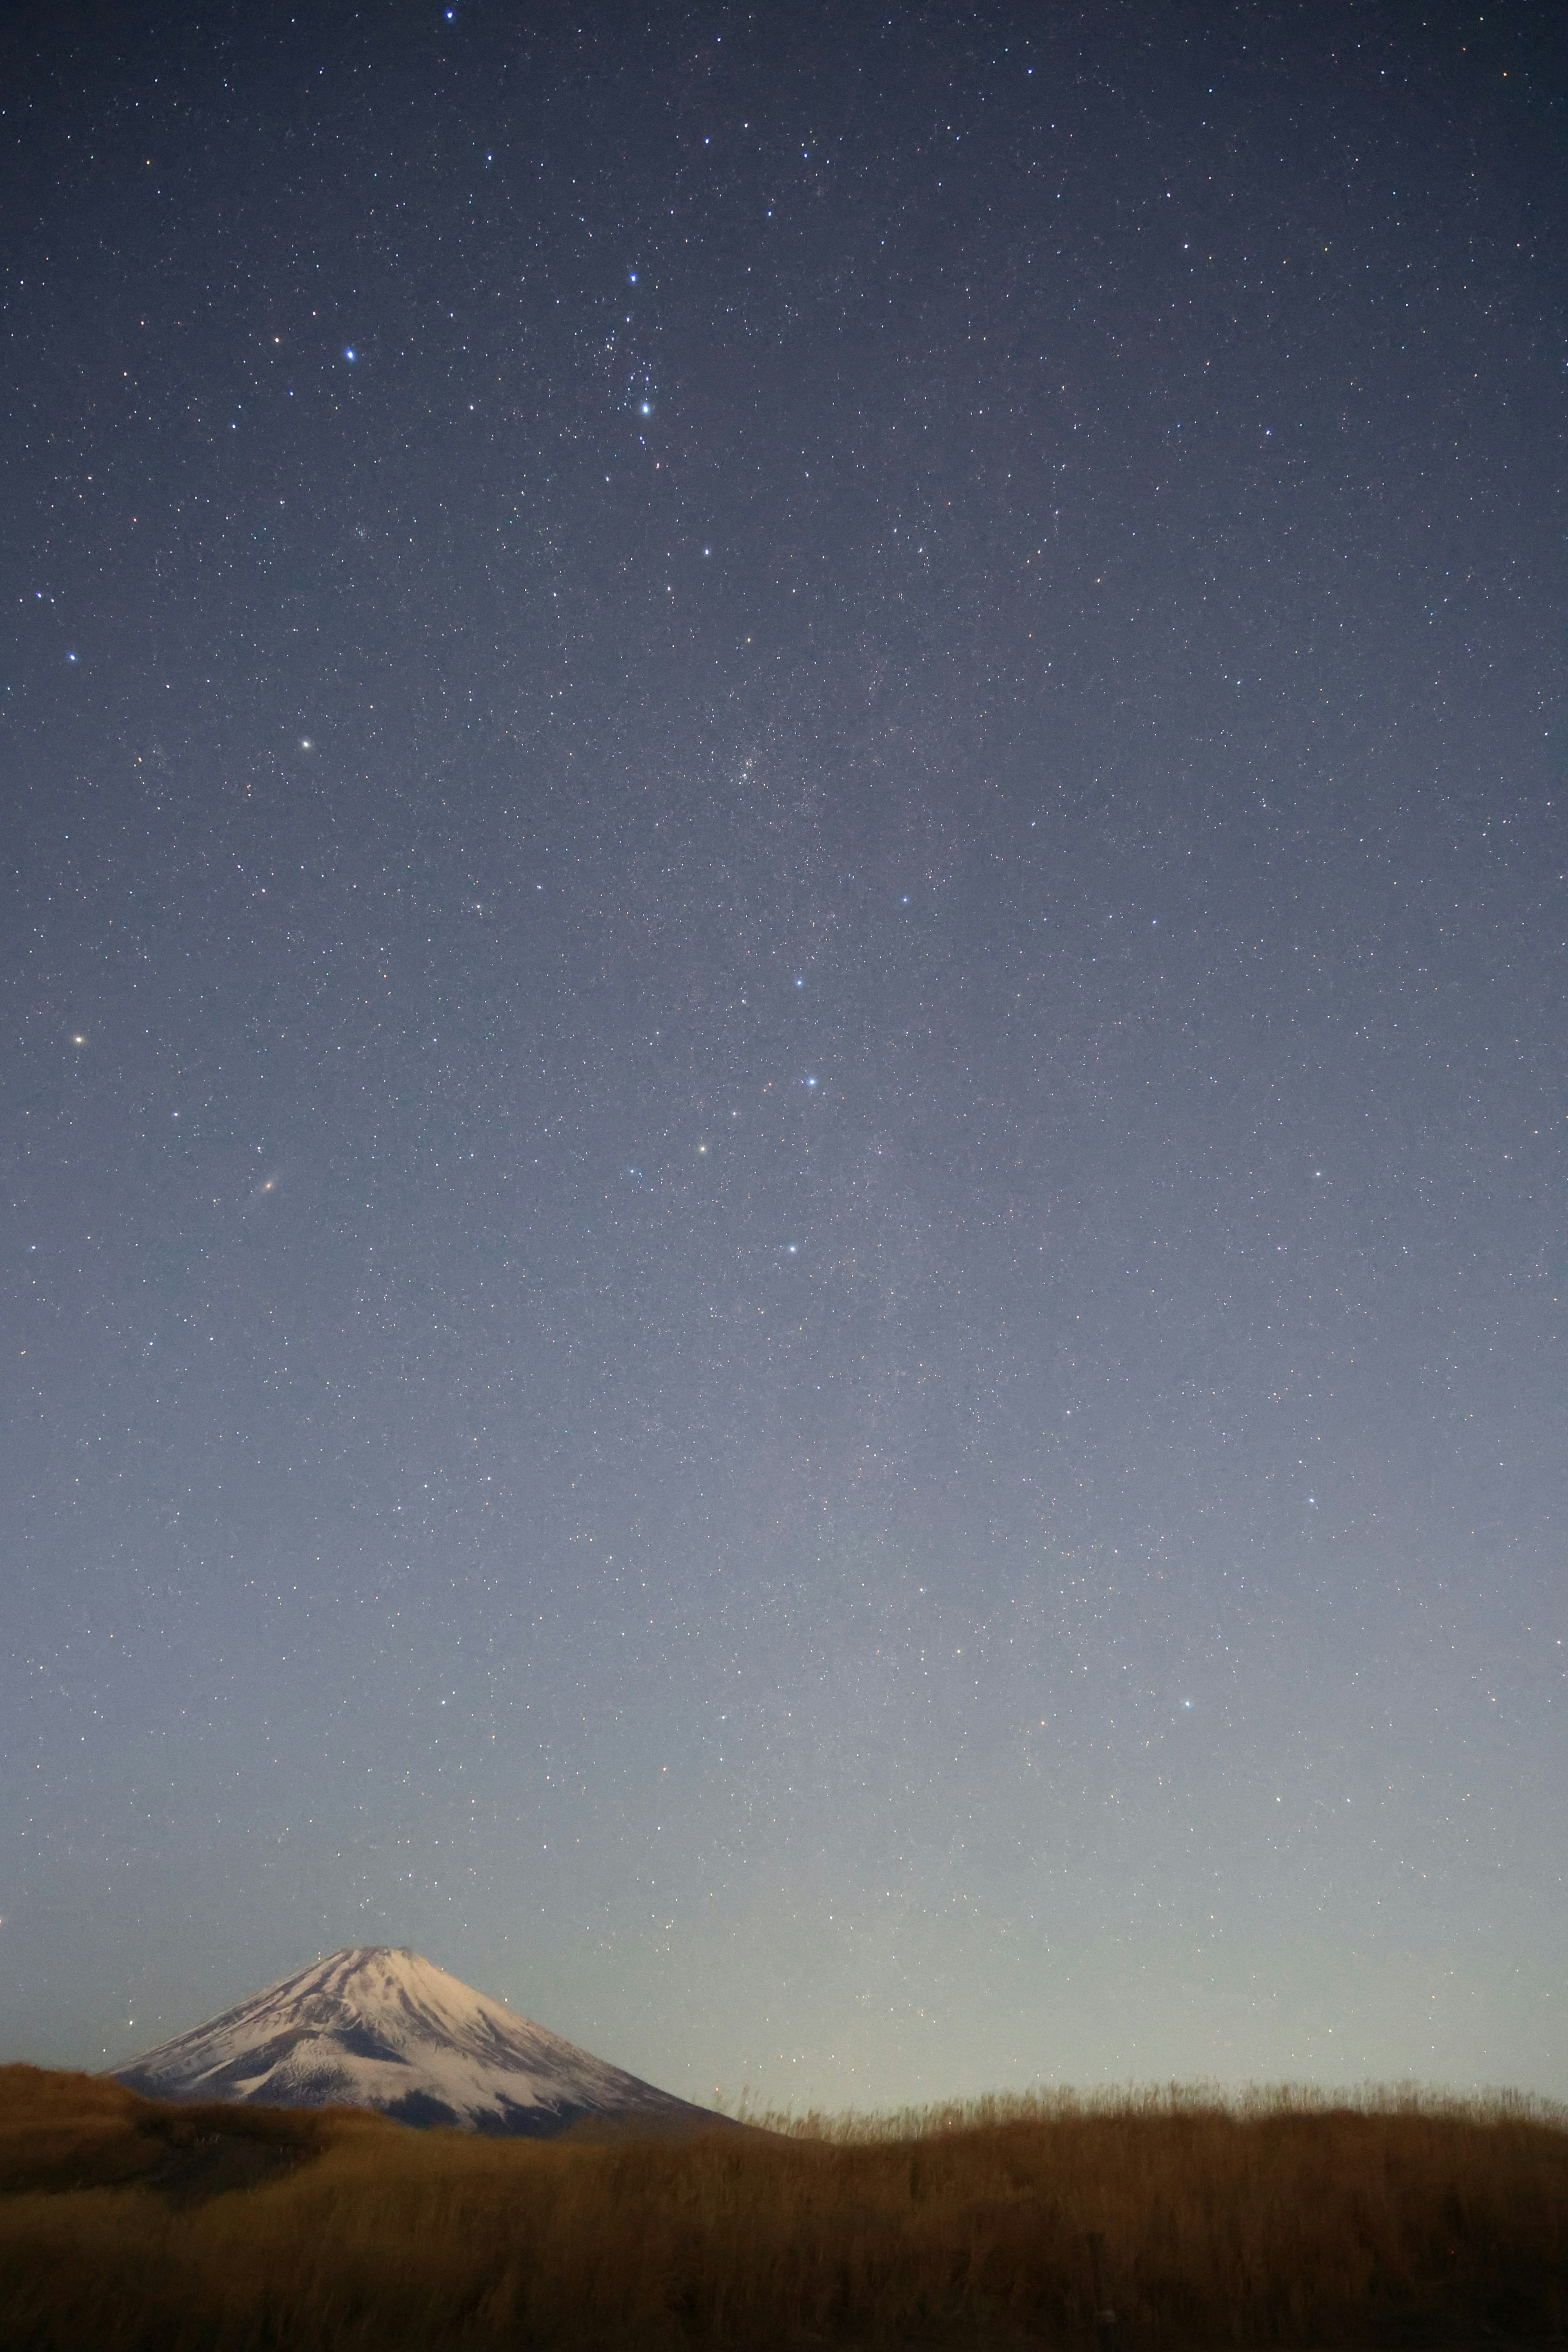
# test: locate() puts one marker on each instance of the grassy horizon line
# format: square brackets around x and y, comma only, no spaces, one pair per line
[916,2119]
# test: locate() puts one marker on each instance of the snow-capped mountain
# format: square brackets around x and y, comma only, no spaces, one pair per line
[375,2027]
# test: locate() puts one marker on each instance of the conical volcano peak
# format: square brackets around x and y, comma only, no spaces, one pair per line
[378,2025]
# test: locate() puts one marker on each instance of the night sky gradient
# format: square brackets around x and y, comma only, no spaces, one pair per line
[782,856]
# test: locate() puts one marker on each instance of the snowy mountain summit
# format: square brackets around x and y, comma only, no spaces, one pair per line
[374,2027]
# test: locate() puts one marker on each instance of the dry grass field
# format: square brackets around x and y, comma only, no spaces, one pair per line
[127,2226]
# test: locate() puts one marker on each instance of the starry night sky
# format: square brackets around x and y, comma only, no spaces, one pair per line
[782,854]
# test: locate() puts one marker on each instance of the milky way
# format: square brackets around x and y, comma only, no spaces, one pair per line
[783,952]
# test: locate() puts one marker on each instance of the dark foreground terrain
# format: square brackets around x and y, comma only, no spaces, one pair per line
[127,2226]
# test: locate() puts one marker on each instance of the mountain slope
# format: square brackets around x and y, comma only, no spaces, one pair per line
[374,2027]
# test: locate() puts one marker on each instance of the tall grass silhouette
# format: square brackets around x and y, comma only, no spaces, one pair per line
[1278,2218]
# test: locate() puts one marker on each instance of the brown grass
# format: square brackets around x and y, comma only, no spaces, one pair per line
[126,2226]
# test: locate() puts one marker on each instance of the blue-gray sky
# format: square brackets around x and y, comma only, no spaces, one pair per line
[782,943]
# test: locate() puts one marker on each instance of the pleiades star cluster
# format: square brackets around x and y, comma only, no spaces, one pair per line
[781,821]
